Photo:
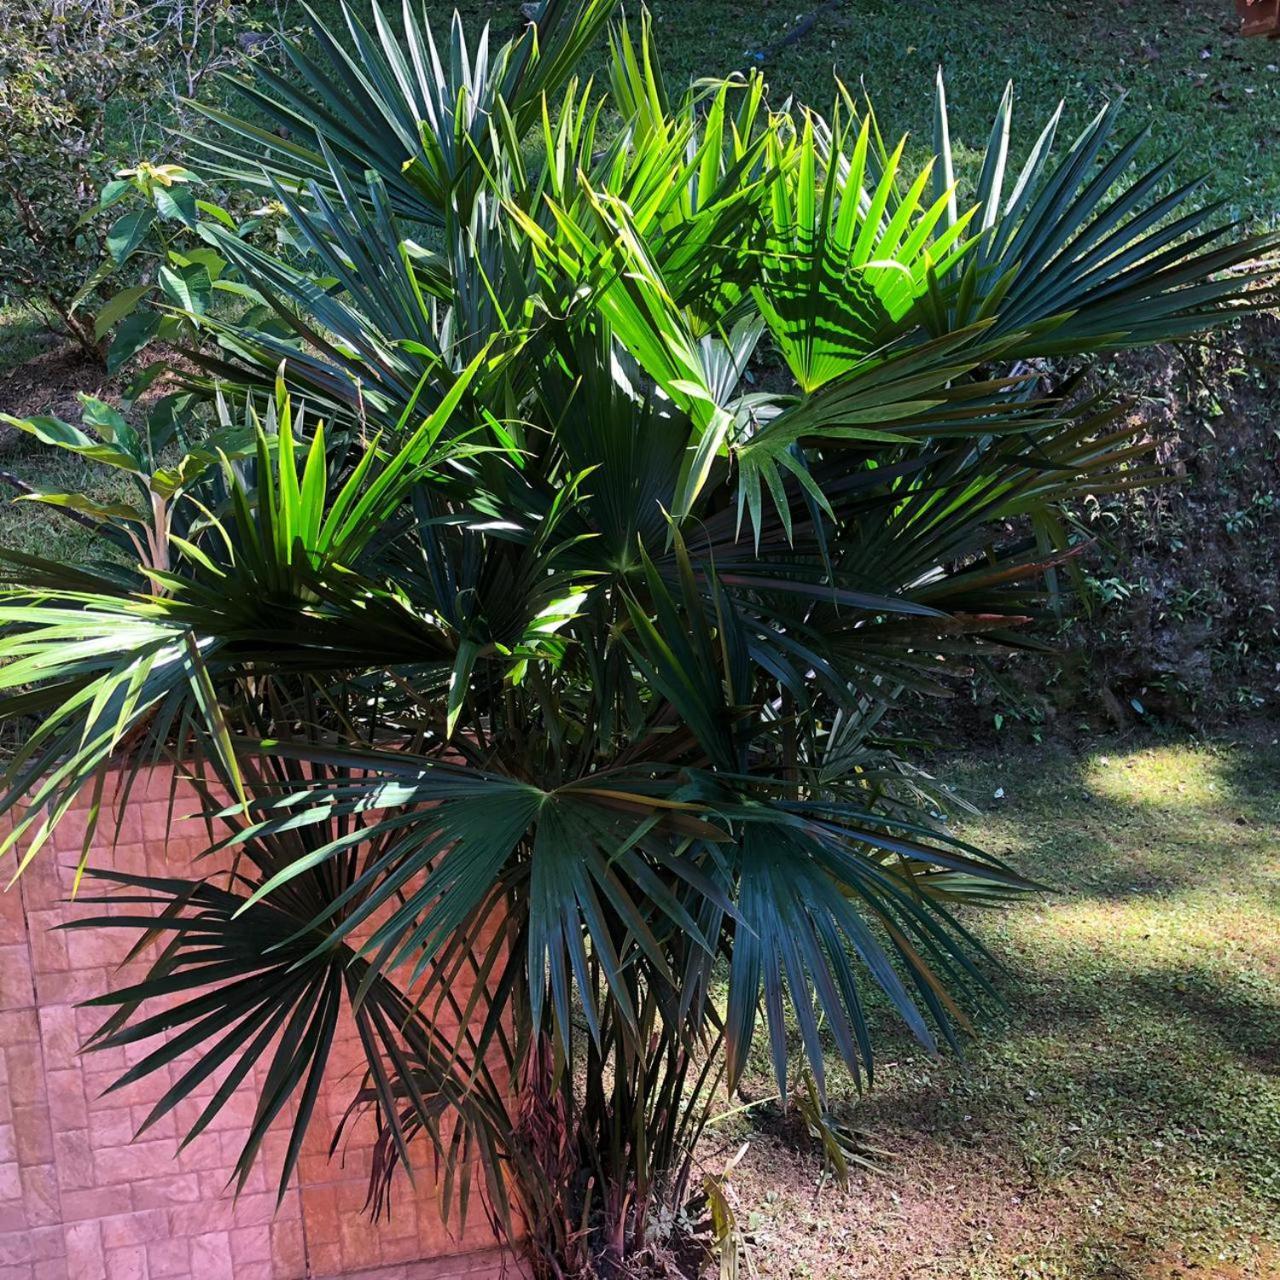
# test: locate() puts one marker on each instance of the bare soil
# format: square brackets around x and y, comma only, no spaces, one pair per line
[49,384]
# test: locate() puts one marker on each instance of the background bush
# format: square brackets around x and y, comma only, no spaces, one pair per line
[91,86]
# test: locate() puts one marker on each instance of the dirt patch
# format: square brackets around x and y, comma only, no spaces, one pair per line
[1189,580]
[945,1208]
[49,384]
[1173,1265]
[1180,619]
[926,1215]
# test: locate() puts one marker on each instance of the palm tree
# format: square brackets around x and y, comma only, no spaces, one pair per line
[598,480]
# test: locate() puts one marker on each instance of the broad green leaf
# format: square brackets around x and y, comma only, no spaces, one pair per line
[134,333]
[110,424]
[63,435]
[187,287]
[117,308]
[176,204]
[87,506]
[112,194]
[127,233]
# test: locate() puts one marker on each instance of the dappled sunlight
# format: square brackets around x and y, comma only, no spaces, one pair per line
[1130,825]
[17,321]
[1172,777]
[1148,932]
[1124,1108]
[1114,1115]
[1167,876]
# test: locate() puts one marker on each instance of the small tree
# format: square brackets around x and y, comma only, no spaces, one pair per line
[87,84]
[647,473]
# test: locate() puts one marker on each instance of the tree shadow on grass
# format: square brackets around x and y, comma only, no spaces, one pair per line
[1120,1118]
[1116,827]
[1141,1028]
[1245,1023]
[1165,1066]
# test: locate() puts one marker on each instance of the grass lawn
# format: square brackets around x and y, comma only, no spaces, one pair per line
[1123,1120]
[1208,95]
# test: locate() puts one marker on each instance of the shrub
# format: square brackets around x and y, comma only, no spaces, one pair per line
[88,85]
[583,500]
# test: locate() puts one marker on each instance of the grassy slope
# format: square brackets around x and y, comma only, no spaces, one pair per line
[1124,1120]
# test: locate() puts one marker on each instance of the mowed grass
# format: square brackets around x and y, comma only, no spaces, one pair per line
[1208,96]
[1123,1119]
